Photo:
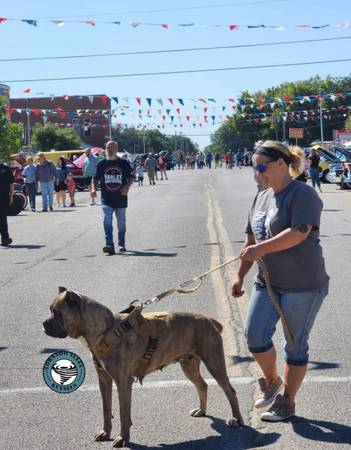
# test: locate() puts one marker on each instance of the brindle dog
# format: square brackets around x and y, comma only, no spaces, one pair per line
[187,338]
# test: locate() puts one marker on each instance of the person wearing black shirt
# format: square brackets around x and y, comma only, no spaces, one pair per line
[314,169]
[115,176]
[7,188]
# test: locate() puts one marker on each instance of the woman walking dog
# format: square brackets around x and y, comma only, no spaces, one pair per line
[283,230]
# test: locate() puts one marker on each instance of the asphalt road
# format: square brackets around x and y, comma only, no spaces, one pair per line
[176,230]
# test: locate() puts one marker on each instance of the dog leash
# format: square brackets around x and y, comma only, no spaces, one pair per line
[274,299]
[182,289]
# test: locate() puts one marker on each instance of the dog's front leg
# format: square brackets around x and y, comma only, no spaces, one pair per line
[124,387]
[105,385]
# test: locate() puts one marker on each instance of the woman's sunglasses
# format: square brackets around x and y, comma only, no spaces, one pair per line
[262,167]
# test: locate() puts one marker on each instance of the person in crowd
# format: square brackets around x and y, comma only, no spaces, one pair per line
[7,189]
[46,175]
[181,161]
[139,172]
[89,173]
[230,160]
[209,159]
[314,160]
[150,166]
[283,232]
[116,176]
[162,166]
[61,185]
[29,175]
[71,187]
[239,158]
[217,159]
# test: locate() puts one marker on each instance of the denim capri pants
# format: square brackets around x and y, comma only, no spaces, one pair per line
[300,310]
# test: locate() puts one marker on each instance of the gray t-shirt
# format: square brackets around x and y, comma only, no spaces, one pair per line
[300,268]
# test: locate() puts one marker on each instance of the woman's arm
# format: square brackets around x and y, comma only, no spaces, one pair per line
[243,269]
[283,241]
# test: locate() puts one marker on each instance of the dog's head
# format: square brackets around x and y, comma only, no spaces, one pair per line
[65,319]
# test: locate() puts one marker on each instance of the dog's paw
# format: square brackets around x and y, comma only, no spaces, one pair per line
[197,412]
[120,442]
[101,435]
[233,423]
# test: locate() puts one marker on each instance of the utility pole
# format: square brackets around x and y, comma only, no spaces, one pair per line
[110,125]
[28,127]
[321,116]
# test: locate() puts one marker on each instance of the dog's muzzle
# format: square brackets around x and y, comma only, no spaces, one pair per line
[54,328]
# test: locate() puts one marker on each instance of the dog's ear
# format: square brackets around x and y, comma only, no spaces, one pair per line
[74,300]
[62,289]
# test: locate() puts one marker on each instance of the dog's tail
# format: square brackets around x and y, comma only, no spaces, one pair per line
[217,325]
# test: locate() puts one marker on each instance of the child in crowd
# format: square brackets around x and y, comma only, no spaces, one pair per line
[71,187]
[139,171]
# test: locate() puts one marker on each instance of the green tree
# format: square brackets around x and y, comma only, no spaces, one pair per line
[49,137]
[10,133]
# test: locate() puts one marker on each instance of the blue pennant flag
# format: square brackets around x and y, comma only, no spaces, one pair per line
[149,100]
[31,22]
[115,99]
[180,100]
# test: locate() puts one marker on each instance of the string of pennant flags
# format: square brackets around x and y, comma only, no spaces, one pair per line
[197,103]
[166,26]
[187,120]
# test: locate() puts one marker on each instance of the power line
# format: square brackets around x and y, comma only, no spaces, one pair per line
[178,72]
[177,50]
[146,11]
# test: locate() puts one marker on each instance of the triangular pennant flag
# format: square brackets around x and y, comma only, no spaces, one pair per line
[59,23]
[115,99]
[170,100]
[31,22]
[3,19]
[180,100]
[165,26]
[233,27]
[135,24]
[213,118]
[91,98]
[211,100]
[160,101]
[205,110]
[149,100]
[138,99]
[168,111]
[187,118]
[202,100]
[27,91]
[172,118]
[89,22]
[178,111]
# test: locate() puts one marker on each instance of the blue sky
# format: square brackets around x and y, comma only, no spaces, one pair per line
[22,40]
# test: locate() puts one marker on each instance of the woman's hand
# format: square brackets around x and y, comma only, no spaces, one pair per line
[252,253]
[237,288]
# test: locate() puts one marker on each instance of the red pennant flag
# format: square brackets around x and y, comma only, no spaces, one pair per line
[90,22]
[3,19]
[27,91]
[138,99]
[233,27]
[178,110]
[187,118]
[164,117]
[205,110]
[205,117]
[202,100]
[170,100]
[165,26]
[231,100]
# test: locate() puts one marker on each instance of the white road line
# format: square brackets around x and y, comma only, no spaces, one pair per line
[172,383]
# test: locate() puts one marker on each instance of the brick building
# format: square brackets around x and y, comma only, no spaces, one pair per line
[88,115]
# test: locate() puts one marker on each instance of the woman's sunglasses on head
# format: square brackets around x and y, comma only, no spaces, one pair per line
[262,167]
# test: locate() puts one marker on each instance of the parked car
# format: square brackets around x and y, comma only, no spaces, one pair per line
[340,172]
